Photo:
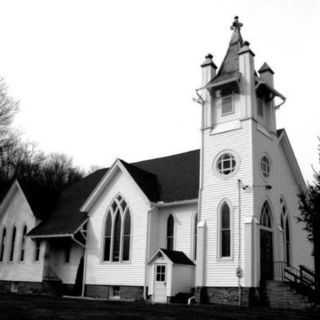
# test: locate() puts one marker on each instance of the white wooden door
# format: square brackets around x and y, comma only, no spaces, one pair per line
[160,283]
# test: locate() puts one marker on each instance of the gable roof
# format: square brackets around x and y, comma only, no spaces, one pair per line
[66,217]
[177,175]
[285,144]
[171,178]
[176,257]
[34,199]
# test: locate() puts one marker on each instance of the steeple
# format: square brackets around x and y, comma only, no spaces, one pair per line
[229,68]
[231,62]
[236,27]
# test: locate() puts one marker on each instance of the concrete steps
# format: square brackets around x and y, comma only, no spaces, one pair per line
[281,295]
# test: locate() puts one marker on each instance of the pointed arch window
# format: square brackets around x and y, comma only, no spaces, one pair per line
[170,233]
[107,237]
[195,236]
[225,227]
[37,249]
[265,217]
[3,242]
[285,226]
[13,241]
[126,236]
[23,243]
[116,237]
[117,233]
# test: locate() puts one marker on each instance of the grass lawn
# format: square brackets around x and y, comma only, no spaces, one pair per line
[18,307]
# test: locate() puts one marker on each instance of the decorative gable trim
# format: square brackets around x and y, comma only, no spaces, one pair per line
[292,161]
[15,187]
[95,194]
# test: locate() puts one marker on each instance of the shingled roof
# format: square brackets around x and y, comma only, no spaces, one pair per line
[171,178]
[229,68]
[66,217]
[177,257]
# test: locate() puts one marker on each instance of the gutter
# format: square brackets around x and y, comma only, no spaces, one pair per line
[63,235]
[161,204]
[147,254]
[274,91]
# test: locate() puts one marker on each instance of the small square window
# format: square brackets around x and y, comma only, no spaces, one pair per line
[161,273]
[226,105]
[115,292]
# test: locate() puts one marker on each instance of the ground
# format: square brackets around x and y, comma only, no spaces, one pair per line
[18,307]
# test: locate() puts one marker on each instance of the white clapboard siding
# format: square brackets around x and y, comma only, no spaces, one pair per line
[18,213]
[222,271]
[283,185]
[66,271]
[130,273]
[183,227]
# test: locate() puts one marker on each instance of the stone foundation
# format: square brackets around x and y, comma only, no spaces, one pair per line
[52,288]
[227,295]
[22,287]
[130,293]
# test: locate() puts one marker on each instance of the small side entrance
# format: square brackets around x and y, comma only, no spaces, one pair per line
[266,255]
[160,283]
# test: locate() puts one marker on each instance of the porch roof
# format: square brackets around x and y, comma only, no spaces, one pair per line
[176,257]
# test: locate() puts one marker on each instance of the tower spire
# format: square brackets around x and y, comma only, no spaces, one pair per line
[236,27]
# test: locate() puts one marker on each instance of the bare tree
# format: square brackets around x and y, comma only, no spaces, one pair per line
[8,108]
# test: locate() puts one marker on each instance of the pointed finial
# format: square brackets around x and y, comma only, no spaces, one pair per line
[208,61]
[236,25]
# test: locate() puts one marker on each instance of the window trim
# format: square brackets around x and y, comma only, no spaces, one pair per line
[123,212]
[215,164]
[3,243]
[231,95]
[271,215]
[112,293]
[219,231]
[23,240]
[265,155]
[173,231]
[286,236]
[12,244]
[37,253]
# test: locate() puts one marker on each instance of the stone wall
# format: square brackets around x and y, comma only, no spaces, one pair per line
[227,295]
[26,287]
[132,293]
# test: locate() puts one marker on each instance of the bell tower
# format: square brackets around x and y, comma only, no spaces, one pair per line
[237,103]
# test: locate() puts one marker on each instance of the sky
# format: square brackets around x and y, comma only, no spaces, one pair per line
[100,80]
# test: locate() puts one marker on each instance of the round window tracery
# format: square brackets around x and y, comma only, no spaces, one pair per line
[265,166]
[226,163]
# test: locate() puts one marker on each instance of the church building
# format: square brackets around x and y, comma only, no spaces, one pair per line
[218,223]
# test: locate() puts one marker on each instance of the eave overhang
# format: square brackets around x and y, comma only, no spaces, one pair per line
[263,89]
[223,81]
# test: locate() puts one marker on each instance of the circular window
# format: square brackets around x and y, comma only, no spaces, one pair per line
[265,166]
[226,163]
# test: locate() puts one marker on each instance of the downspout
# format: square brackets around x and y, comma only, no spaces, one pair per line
[145,296]
[201,101]
[239,271]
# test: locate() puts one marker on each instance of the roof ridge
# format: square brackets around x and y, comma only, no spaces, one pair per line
[163,157]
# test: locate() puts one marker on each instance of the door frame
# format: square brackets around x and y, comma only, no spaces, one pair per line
[155,277]
[263,228]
